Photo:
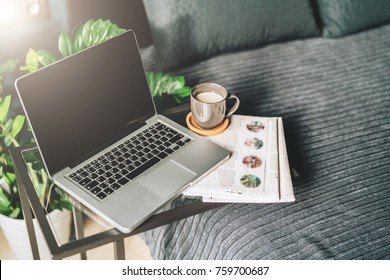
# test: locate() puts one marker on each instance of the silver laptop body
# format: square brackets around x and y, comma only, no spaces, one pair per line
[91,108]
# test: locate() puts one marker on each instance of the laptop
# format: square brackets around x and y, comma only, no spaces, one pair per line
[101,139]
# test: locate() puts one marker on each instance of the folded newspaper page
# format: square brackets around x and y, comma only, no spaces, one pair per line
[258,169]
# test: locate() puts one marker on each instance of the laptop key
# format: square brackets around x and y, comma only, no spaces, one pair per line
[91,185]
[130,167]
[142,168]
[121,166]
[96,190]
[104,185]
[100,179]
[117,176]
[122,181]
[115,170]
[167,144]
[100,171]
[101,195]
[115,186]
[77,178]
[143,159]
[161,148]
[85,181]
[110,180]
[84,174]
[180,143]
[124,172]
[175,138]
[108,191]
[149,156]
[162,155]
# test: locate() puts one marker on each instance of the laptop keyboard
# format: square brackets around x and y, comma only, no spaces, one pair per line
[107,174]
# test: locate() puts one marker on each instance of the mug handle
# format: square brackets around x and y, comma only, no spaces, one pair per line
[235,106]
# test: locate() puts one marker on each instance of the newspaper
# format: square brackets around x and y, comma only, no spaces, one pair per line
[257,171]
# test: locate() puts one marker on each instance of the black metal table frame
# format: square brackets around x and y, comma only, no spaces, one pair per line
[31,206]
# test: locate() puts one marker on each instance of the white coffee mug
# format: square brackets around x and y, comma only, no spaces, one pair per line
[208,104]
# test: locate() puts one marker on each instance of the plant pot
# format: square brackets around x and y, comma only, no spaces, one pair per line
[15,231]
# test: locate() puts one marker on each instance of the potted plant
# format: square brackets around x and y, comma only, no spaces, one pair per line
[15,132]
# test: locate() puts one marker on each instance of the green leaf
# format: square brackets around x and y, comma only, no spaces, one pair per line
[65,203]
[172,84]
[6,180]
[4,202]
[9,178]
[45,57]
[17,125]
[78,43]
[8,141]
[65,44]
[40,190]
[4,107]
[38,165]
[105,32]
[6,160]
[97,29]
[153,79]
[161,84]
[12,177]
[31,156]
[183,92]
[32,62]
[86,33]
[114,30]
[8,124]
[15,213]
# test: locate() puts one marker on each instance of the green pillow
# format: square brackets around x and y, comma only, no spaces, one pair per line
[186,31]
[342,17]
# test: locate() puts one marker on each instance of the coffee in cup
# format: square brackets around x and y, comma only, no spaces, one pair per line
[208,104]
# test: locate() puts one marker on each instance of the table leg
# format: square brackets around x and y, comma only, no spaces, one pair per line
[119,249]
[79,227]
[28,218]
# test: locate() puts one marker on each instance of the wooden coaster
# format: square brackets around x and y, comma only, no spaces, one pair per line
[193,126]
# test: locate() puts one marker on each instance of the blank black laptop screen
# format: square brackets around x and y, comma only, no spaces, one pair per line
[79,103]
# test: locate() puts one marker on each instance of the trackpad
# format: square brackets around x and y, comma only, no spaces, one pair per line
[168,179]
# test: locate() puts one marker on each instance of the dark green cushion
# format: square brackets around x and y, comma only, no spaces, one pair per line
[342,17]
[186,31]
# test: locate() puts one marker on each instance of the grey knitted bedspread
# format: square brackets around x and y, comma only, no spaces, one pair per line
[334,97]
